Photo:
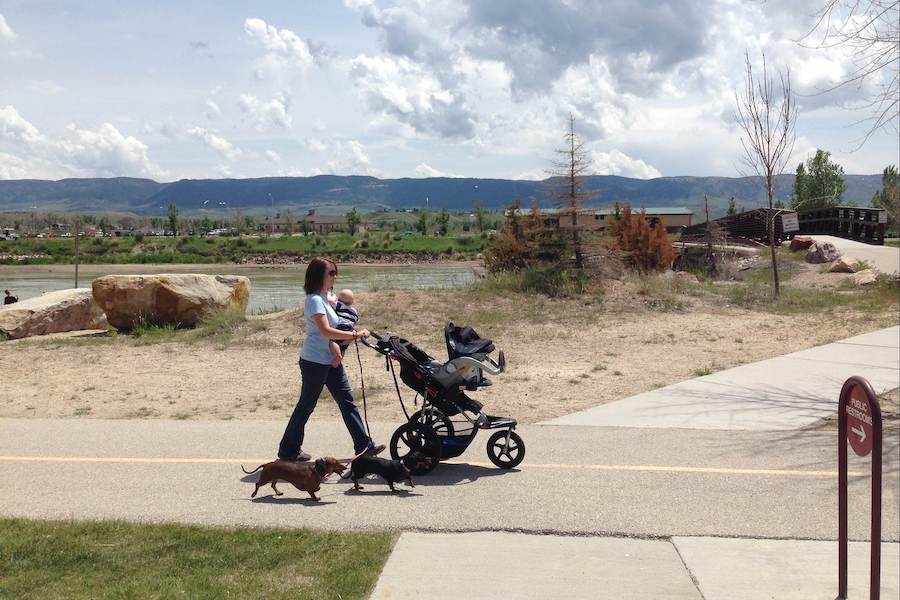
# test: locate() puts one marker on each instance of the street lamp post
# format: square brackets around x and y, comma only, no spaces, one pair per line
[77,227]
[272,218]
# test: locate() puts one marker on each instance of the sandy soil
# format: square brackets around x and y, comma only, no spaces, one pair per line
[563,356]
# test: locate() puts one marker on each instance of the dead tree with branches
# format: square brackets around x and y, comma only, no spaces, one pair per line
[767,116]
[568,185]
[868,31]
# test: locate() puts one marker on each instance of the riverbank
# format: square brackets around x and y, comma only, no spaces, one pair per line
[563,355]
[200,267]
[365,248]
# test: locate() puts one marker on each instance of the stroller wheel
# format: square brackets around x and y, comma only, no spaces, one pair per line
[506,456]
[439,424]
[413,438]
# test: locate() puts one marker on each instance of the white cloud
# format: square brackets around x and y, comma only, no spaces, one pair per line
[274,112]
[14,127]
[272,156]
[104,152]
[6,32]
[282,42]
[347,158]
[404,90]
[619,163]
[425,170]
[225,148]
[107,152]
[213,109]
[13,167]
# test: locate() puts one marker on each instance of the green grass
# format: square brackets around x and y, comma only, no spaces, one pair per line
[883,295]
[195,249]
[553,282]
[117,560]
[892,243]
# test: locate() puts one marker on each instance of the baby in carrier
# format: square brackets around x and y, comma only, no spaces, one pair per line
[348,315]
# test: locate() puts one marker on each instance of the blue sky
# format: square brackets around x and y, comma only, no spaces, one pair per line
[403,89]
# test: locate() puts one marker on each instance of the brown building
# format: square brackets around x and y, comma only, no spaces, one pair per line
[313,223]
[598,219]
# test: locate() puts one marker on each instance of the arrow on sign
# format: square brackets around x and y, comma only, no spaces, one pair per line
[860,432]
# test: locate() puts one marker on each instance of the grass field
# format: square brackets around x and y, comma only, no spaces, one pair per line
[40,559]
[195,249]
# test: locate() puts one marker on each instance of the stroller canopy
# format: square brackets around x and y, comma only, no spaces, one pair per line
[465,341]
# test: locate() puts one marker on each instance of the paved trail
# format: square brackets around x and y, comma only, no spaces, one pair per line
[641,510]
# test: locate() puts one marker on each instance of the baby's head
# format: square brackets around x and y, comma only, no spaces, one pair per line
[345,296]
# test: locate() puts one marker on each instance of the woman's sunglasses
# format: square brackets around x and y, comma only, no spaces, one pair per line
[333,272]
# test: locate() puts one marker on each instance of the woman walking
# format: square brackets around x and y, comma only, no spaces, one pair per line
[316,371]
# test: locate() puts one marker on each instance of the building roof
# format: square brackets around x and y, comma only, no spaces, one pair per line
[650,210]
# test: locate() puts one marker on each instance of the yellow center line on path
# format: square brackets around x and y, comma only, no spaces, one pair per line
[633,468]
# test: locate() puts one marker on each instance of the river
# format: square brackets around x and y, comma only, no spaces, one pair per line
[270,287]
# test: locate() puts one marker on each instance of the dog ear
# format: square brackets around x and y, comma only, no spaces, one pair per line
[320,463]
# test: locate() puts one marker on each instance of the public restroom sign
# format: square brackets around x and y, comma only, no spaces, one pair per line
[859,421]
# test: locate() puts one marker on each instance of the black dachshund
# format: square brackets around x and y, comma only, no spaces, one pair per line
[392,471]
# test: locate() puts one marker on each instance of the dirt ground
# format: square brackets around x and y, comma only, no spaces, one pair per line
[562,355]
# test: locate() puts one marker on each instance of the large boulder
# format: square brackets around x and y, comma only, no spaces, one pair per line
[864,277]
[845,264]
[177,300]
[801,242]
[54,312]
[822,252]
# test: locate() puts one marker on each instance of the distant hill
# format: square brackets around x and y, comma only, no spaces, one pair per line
[337,194]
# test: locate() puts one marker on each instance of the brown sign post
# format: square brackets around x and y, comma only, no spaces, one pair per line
[859,422]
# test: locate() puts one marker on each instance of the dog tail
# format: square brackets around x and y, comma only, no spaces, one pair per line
[253,471]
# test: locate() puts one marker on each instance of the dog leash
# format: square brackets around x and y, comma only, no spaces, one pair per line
[362,382]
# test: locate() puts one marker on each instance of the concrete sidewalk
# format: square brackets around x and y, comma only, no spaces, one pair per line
[783,393]
[884,258]
[498,565]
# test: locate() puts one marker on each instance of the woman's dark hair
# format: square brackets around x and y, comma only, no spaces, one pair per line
[315,274]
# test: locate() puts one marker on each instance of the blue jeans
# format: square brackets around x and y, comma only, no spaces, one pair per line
[314,377]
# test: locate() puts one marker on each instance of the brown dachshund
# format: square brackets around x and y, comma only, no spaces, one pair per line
[304,477]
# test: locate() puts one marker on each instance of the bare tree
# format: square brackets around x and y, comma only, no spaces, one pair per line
[568,184]
[869,32]
[767,115]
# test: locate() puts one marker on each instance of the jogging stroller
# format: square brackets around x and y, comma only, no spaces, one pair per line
[448,419]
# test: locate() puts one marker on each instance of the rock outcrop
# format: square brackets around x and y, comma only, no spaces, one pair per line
[822,252]
[177,300]
[54,312]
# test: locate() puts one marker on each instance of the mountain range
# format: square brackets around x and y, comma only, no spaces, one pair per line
[336,194]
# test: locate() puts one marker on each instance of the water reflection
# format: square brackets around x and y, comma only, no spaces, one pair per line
[269,287]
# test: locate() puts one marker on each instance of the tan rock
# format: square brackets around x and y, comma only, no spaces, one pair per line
[864,277]
[54,312]
[845,264]
[167,299]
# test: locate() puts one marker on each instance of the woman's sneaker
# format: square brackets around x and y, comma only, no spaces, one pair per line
[301,456]
[373,450]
